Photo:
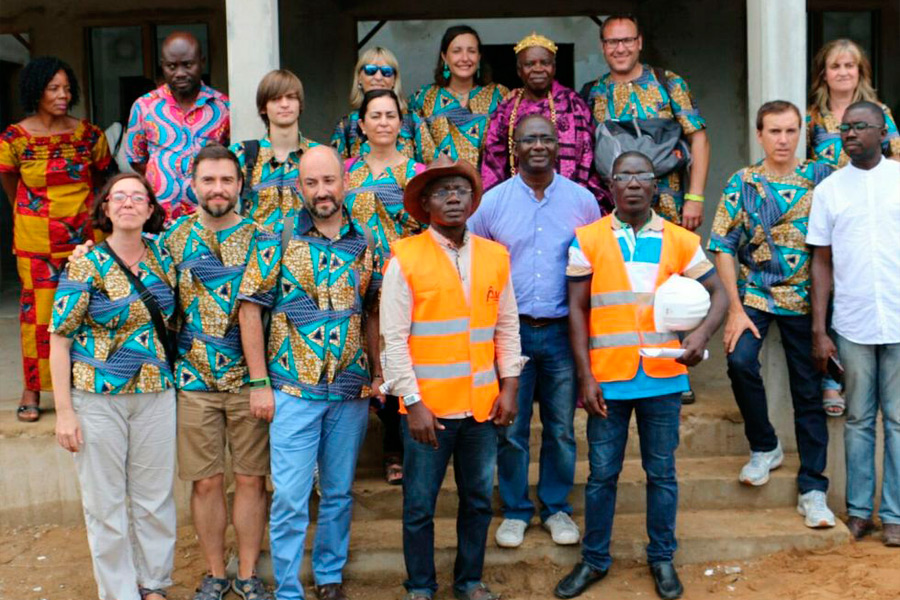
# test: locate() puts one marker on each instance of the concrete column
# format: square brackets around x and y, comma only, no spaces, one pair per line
[253,42]
[776,60]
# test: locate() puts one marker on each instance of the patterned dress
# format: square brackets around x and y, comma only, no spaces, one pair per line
[166,138]
[51,217]
[273,192]
[316,345]
[647,98]
[763,220]
[378,202]
[447,127]
[350,142]
[209,267]
[575,131]
[115,348]
[824,138]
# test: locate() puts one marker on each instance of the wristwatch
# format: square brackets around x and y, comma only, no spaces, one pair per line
[411,399]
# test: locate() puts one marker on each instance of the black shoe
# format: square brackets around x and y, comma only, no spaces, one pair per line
[668,585]
[580,579]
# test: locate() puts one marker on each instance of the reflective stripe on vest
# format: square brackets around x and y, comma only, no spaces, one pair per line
[617,340]
[448,327]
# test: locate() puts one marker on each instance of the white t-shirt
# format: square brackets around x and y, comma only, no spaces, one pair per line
[857,213]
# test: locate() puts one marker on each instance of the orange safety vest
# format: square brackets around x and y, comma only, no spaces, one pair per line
[451,341]
[620,318]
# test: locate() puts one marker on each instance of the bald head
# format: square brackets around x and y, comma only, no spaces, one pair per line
[322,181]
[182,64]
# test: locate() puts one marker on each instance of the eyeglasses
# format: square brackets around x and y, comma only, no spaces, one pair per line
[445,193]
[531,140]
[629,177]
[612,43]
[386,70]
[858,126]
[135,197]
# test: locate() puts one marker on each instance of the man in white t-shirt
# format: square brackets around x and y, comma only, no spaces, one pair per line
[854,227]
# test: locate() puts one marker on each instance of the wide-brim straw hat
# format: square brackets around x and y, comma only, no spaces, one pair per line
[443,166]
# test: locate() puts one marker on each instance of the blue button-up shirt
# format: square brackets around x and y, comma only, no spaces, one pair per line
[537,234]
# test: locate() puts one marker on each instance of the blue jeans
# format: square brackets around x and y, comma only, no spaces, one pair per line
[550,375]
[872,380]
[305,433]
[810,425]
[473,446]
[657,420]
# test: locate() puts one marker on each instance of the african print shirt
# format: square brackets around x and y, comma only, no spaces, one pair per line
[824,138]
[647,98]
[167,138]
[447,127]
[350,141]
[575,131]
[209,266]
[55,192]
[377,202]
[316,343]
[273,191]
[762,219]
[115,348]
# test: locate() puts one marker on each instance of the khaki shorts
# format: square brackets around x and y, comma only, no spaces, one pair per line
[209,420]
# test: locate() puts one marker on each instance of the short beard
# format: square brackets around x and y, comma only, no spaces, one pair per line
[323,213]
[219,212]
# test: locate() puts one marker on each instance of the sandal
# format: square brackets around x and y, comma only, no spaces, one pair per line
[833,403]
[393,470]
[28,413]
[144,592]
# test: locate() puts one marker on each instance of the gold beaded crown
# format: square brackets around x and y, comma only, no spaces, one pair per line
[535,40]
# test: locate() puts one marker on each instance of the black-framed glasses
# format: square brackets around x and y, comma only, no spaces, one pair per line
[445,193]
[629,177]
[531,140]
[386,70]
[613,43]
[858,126]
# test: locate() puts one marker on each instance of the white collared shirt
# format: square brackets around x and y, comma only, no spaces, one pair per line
[857,213]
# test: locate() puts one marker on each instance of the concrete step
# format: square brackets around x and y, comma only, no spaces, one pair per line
[704,484]
[376,546]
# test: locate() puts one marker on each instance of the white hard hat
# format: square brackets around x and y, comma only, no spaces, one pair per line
[680,304]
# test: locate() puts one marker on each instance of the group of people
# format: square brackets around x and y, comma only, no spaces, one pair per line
[449,261]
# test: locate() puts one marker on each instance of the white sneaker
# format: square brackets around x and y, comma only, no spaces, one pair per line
[812,505]
[511,533]
[756,472]
[562,529]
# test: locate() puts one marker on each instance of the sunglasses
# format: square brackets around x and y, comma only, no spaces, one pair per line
[858,126]
[386,70]
[628,177]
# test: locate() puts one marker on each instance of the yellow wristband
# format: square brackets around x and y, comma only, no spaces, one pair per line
[694,197]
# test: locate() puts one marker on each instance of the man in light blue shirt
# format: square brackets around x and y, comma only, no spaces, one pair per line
[534,215]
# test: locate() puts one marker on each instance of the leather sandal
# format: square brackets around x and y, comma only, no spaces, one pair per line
[28,413]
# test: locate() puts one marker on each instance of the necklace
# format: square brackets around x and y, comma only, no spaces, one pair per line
[140,256]
[512,125]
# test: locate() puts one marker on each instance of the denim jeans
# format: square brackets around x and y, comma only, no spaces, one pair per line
[473,446]
[810,425]
[872,380]
[548,375]
[657,420]
[305,433]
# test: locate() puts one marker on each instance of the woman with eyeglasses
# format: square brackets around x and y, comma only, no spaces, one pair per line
[376,69]
[456,108]
[375,199]
[115,393]
[841,75]
[50,165]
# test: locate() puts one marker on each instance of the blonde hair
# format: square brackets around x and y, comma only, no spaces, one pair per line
[275,84]
[818,90]
[366,58]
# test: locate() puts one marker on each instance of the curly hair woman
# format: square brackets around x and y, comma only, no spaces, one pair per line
[50,163]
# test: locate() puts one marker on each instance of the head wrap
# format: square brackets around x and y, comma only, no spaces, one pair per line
[535,40]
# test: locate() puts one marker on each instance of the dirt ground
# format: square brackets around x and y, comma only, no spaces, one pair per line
[53,563]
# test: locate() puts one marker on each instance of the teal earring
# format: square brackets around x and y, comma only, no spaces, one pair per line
[446,71]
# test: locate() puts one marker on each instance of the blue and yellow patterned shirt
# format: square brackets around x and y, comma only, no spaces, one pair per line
[647,98]
[274,191]
[115,348]
[323,288]
[823,137]
[209,266]
[763,220]
[349,140]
